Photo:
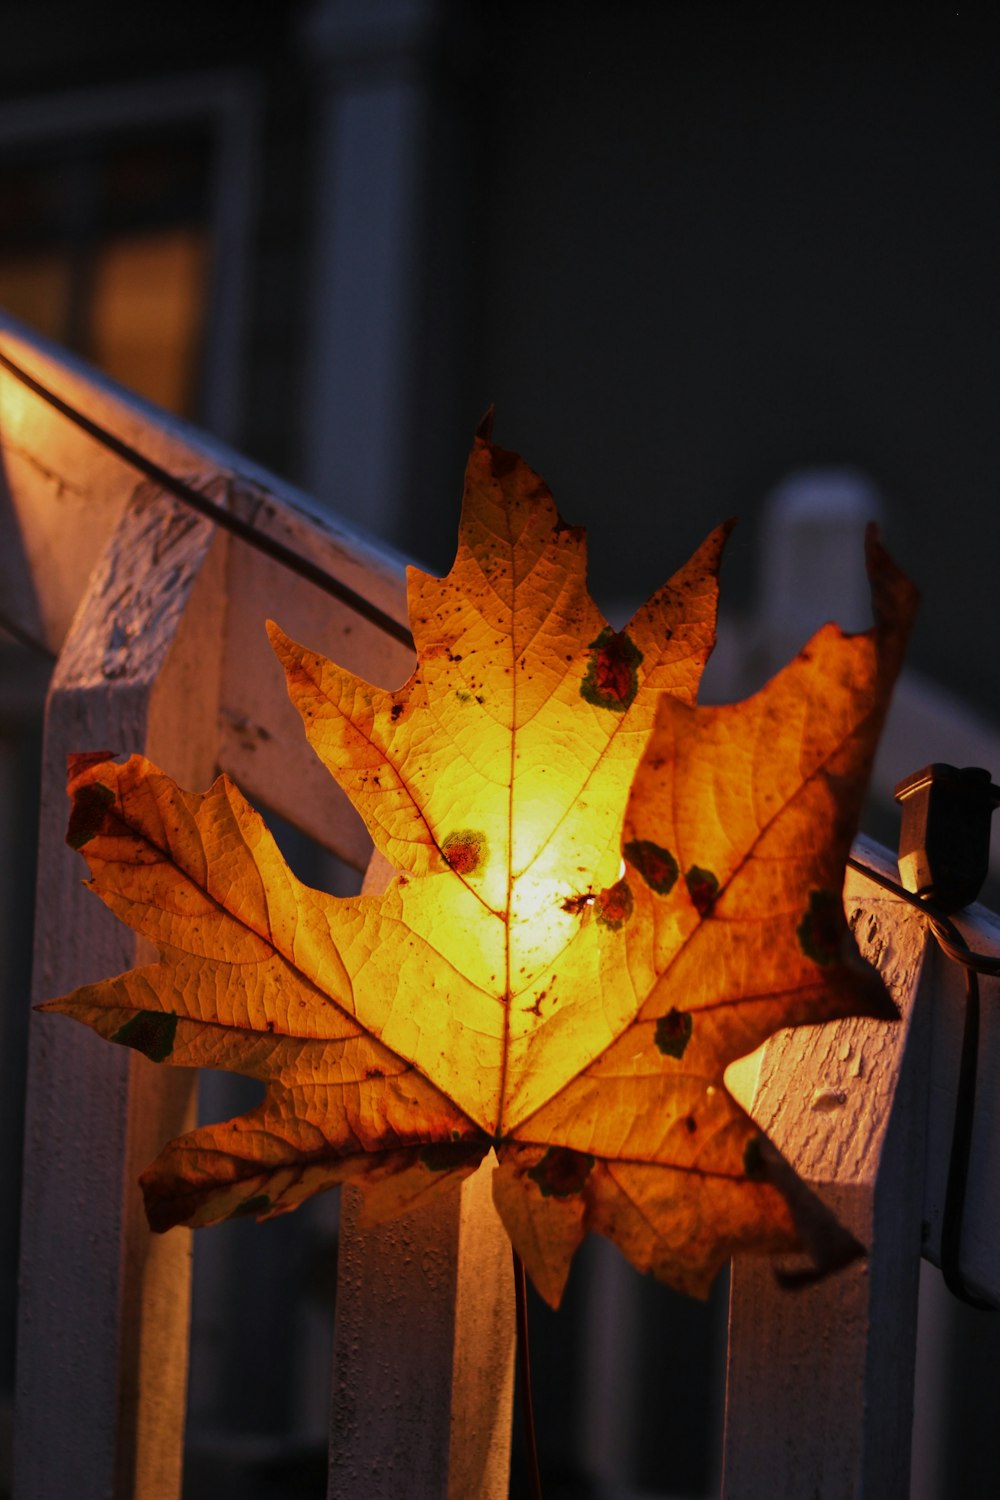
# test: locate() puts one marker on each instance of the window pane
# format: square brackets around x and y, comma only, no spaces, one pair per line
[147,312]
[104,247]
[36,289]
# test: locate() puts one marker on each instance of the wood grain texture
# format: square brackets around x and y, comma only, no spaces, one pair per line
[423,1358]
[423,1363]
[262,744]
[102,1352]
[61,496]
[820,1381]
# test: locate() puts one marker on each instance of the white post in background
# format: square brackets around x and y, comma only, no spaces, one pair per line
[812,557]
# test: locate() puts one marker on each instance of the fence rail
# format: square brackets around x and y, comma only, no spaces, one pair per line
[155,616]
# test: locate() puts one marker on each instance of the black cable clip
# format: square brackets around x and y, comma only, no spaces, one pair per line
[944,853]
[944,841]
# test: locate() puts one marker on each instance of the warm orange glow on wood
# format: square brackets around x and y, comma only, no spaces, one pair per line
[519,984]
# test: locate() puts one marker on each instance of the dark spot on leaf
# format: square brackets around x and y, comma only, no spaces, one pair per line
[753,1160]
[575,906]
[673,1032]
[395,711]
[614,905]
[462,696]
[610,680]
[258,1204]
[703,887]
[657,866]
[465,850]
[150,1032]
[90,814]
[820,931]
[374,1072]
[562,1172]
[691,1124]
[439,1157]
[446,1156]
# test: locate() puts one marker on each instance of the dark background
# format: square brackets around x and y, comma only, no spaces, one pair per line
[685,248]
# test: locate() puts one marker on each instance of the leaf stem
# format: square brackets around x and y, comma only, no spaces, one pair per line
[524,1377]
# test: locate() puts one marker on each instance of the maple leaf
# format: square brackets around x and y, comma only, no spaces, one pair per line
[600,894]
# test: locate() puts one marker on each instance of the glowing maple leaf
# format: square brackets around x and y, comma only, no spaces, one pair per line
[517,985]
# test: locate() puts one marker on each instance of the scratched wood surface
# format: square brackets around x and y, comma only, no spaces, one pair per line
[62,494]
[820,1383]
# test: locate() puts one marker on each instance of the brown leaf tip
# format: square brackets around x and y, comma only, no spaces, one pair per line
[611,680]
[562,1172]
[79,762]
[656,865]
[465,850]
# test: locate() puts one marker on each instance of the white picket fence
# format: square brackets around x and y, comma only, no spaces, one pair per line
[155,615]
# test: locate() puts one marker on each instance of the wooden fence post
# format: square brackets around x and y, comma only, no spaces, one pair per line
[423,1356]
[423,1361]
[819,1397]
[102,1376]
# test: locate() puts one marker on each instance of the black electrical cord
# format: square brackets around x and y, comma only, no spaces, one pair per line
[193,498]
[973,964]
[961,1147]
[954,945]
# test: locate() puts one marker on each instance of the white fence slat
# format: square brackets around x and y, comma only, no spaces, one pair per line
[423,1357]
[424,1352]
[820,1382]
[103,1310]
